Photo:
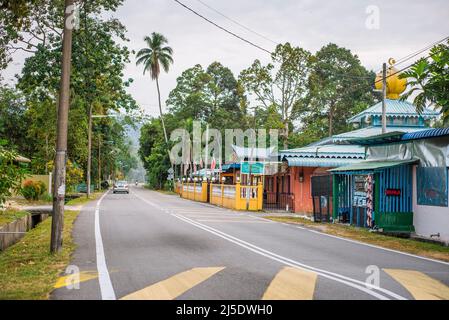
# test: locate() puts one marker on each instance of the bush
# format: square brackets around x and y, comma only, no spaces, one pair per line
[32,190]
[11,174]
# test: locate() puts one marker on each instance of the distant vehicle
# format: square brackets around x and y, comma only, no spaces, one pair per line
[121,187]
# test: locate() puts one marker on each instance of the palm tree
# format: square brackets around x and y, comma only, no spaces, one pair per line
[155,55]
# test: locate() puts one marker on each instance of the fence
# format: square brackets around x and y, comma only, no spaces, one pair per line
[275,201]
[196,191]
[236,197]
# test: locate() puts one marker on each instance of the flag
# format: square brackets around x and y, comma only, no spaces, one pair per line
[194,167]
[213,164]
[201,162]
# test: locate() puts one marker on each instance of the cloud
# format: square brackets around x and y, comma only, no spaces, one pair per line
[405,27]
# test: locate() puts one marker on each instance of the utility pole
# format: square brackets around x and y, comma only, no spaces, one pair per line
[384,97]
[57,223]
[99,162]
[89,153]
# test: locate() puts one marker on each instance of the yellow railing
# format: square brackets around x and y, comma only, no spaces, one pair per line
[237,197]
[196,191]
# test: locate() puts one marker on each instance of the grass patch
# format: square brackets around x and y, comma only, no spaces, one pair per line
[84,199]
[24,202]
[27,269]
[429,250]
[168,192]
[8,216]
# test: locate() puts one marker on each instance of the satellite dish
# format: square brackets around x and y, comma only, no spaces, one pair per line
[391,61]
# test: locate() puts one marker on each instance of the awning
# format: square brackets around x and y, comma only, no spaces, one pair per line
[228,166]
[372,165]
[319,162]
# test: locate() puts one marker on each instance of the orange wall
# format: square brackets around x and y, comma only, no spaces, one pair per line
[302,191]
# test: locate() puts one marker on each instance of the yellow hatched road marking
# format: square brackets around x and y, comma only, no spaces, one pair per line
[174,286]
[420,285]
[75,278]
[291,284]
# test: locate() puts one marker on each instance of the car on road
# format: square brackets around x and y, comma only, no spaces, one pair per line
[121,187]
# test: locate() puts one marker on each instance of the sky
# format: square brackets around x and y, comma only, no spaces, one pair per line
[402,27]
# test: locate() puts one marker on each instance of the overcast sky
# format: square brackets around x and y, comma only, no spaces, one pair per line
[405,26]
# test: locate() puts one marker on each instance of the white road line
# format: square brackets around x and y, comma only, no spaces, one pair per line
[378,247]
[362,243]
[360,285]
[106,289]
[230,221]
[357,284]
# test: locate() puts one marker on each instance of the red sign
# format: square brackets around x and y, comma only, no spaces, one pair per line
[393,192]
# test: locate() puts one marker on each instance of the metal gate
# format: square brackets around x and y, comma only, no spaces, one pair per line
[278,201]
[322,198]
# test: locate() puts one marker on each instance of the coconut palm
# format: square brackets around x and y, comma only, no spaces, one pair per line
[155,55]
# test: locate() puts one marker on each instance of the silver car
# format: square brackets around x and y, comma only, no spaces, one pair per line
[120,187]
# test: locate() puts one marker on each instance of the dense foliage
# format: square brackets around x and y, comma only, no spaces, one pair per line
[429,79]
[11,174]
[28,112]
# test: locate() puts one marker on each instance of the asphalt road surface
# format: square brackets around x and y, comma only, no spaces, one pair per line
[147,245]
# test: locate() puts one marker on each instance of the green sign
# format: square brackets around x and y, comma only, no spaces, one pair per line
[256,168]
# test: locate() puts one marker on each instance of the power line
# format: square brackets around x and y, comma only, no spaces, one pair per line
[414,54]
[408,57]
[237,23]
[403,69]
[222,28]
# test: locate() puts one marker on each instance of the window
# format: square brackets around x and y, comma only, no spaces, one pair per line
[432,185]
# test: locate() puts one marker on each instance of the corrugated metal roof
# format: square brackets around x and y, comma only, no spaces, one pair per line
[430,133]
[372,165]
[259,153]
[319,162]
[327,151]
[228,166]
[204,172]
[395,108]
[372,131]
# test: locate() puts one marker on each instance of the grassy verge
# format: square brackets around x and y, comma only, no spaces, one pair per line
[27,269]
[24,202]
[167,192]
[10,215]
[430,250]
[83,199]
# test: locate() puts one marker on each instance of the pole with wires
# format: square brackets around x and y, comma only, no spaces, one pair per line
[57,222]
[384,97]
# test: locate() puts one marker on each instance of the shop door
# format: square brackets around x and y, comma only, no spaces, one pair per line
[322,198]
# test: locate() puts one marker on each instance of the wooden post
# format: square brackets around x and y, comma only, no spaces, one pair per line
[61,143]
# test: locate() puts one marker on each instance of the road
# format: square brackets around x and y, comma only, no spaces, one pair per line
[148,245]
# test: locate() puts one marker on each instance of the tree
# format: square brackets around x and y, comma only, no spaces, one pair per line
[153,153]
[13,124]
[155,55]
[212,96]
[339,87]
[282,83]
[11,174]
[26,24]
[96,82]
[430,80]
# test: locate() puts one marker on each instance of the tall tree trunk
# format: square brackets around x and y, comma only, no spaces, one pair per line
[331,119]
[160,110]
[286,134]
[163,126]
[57,223]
